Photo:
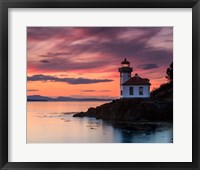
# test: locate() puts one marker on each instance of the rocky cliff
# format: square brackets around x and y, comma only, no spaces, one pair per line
[131,110]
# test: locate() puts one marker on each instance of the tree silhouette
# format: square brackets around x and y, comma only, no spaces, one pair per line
[170,73]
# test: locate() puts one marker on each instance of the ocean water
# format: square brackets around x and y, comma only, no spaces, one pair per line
[53,122]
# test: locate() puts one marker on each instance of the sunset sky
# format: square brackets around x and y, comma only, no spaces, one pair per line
[83,61]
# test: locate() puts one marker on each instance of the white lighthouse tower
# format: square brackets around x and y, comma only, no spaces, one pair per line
[125,74]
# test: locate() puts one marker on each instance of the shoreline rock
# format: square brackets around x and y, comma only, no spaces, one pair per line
[132,110]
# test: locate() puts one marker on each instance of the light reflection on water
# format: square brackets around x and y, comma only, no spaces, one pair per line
[52,122]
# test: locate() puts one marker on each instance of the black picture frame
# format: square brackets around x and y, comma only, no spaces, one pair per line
[6,4]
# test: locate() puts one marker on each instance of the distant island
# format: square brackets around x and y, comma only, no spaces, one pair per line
[62,98]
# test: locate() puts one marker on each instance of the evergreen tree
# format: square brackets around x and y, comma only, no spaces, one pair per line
[170,73]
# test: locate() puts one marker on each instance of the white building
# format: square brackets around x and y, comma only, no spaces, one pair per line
[132,87]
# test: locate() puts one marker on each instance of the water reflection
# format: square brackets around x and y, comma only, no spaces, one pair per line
[53,122]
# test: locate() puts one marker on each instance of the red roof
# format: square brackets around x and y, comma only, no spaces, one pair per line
[136,80]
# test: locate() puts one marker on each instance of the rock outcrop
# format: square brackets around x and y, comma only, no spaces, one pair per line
[132,110]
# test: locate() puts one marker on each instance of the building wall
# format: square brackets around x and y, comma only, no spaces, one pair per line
[123,78]
[146,91]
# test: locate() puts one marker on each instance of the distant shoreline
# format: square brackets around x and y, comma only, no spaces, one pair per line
[69,100]
[39,98]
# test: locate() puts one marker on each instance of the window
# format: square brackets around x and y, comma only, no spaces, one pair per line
[121,93]
[140,90]
[130,90]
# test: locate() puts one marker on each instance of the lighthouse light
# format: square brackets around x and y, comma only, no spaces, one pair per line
[125,65]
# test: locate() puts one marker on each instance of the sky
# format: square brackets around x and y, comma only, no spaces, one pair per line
[83,61]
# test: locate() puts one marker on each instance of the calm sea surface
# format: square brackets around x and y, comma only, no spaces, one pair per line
[52,122]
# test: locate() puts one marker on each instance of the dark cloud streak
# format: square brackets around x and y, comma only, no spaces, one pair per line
[95,90]
[44,78]
[31,90]
[148,66]
[54,54]
[45,61]
[88,90]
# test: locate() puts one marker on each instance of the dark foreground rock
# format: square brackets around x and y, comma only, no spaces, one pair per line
[132,110]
